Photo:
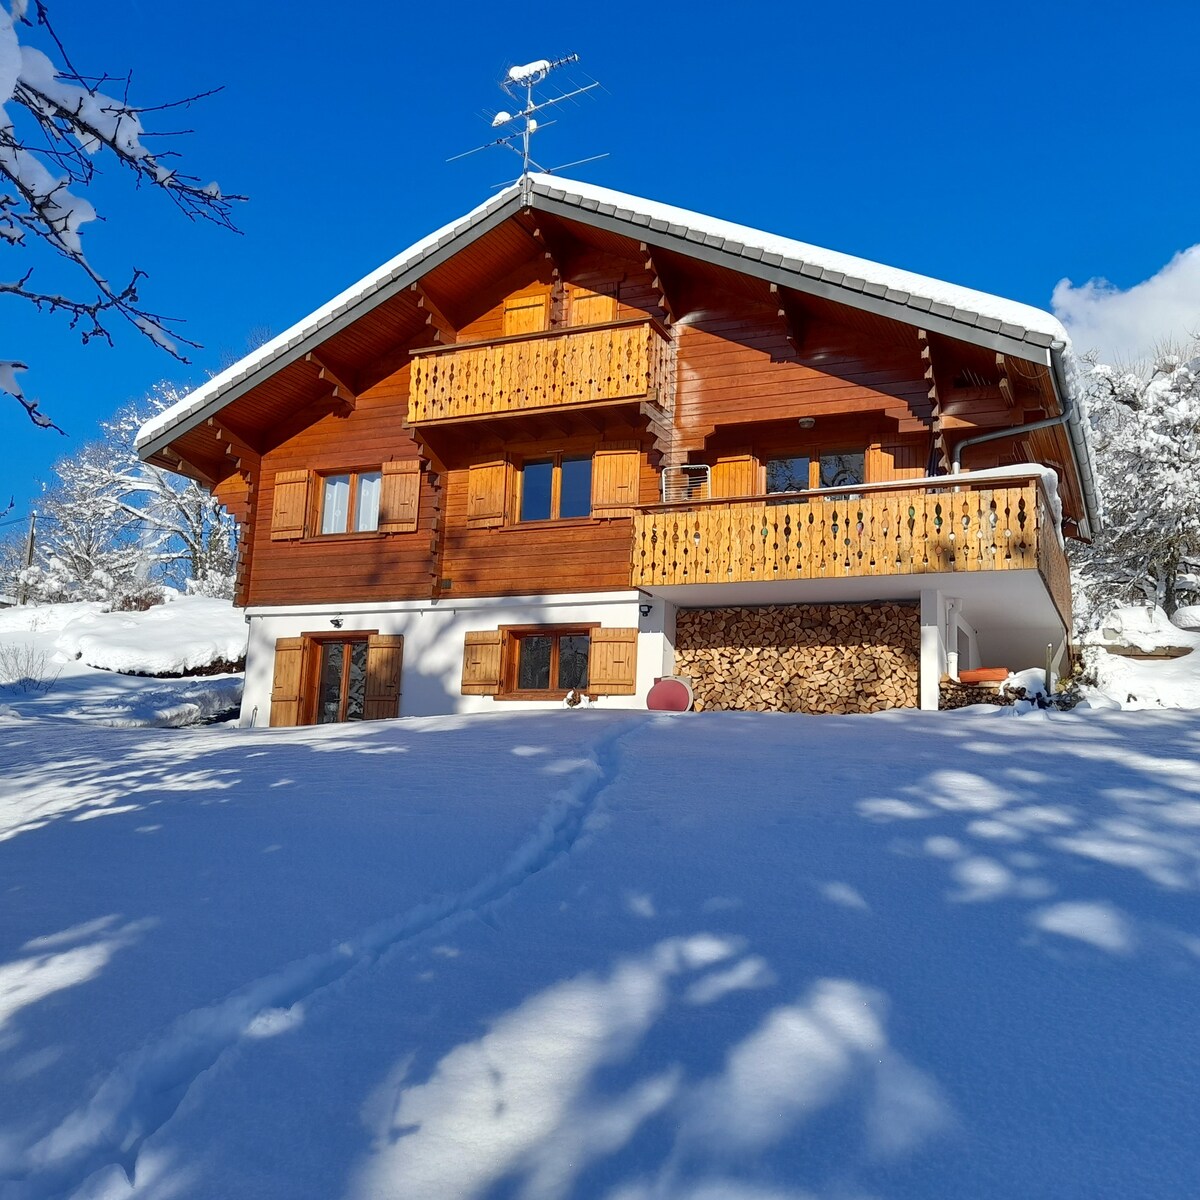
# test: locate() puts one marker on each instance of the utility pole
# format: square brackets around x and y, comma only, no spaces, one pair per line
[22,585]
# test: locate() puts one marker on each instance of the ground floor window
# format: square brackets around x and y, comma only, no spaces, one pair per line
[342,681]
[551,662]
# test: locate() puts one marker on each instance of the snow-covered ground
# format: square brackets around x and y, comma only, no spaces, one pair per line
[600,954]
[1135,683]
[61,660]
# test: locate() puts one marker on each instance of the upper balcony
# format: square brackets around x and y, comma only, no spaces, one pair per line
[867,530]
[597,364]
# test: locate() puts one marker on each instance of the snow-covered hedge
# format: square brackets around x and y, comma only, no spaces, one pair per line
[186,634]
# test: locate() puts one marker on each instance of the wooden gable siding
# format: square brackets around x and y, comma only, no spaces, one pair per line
[631,285]
[741,366]
[351,567]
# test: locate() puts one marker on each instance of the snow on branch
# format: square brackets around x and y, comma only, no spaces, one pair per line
[56,127]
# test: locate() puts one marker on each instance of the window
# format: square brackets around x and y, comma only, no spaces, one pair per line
[350,503]
[788,474]
[841,470]
[801,472]
[544,662]
[551,661]
[556,488]
[342,681]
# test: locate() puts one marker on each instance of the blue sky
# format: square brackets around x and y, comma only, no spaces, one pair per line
[1002,148]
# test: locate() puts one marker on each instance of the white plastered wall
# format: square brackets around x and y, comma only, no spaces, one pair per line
[433,634]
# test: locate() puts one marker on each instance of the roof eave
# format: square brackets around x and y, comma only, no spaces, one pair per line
[307,340]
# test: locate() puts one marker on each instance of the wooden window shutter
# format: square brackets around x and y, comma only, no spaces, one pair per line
[487,493]
[287,688]
[481,663]
[526,314]
[735,475]
[616,471]
[290,505]
[593,307]
[400,496]
[385,652]
[612,662]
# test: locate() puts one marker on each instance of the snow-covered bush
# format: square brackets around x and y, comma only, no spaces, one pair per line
[1146,426]
[25,668]
[113,526]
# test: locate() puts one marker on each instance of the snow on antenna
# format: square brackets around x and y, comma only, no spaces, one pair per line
[519,84]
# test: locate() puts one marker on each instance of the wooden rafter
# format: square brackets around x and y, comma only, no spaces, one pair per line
[665,287]
[935,405]
[1007,386]
[444,329]
[339,389]
[187,467]
[790,314]
[553,249]
[236,446]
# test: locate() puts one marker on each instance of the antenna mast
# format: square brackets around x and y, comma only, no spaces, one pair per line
[524,79]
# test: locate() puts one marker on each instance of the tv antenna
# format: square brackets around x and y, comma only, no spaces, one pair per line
[519,84]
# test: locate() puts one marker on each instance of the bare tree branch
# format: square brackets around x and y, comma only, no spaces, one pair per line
[70,127]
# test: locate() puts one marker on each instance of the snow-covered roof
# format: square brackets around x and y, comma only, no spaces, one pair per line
[923,294]
[960,312]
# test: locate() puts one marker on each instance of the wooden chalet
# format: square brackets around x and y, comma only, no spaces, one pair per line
[578,441]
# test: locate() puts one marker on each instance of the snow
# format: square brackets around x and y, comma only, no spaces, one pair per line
[1187,616]
[51,658]
[617,955]
[527,72]
[1138,627]
[188,633]
[1133,683]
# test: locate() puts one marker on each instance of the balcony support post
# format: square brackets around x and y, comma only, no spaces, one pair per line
[932,648]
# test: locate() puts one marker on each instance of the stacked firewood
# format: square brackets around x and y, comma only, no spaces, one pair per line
[813,658]
[952,694]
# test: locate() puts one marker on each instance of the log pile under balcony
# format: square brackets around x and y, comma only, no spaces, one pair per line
[836,658]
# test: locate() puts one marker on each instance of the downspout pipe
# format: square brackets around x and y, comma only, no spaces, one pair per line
[1069,416]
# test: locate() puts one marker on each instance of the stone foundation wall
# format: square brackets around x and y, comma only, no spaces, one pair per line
[813,658]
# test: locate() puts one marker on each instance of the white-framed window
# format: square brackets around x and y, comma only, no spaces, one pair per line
[349,502]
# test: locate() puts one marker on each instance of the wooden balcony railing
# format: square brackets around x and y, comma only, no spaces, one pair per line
[623,360]
[894,530]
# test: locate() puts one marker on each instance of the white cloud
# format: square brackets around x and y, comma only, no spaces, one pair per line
[1123,326]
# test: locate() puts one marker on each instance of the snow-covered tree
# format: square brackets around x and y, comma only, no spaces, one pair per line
[57,126]
[1146,427]
[114,525]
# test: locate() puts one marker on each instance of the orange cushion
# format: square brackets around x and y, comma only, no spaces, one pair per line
[984,675]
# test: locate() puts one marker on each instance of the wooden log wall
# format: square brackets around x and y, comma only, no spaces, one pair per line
[579,555]
[741,366]
[349,567]
[834,658]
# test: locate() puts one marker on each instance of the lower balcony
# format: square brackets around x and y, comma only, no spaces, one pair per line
[872,531]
